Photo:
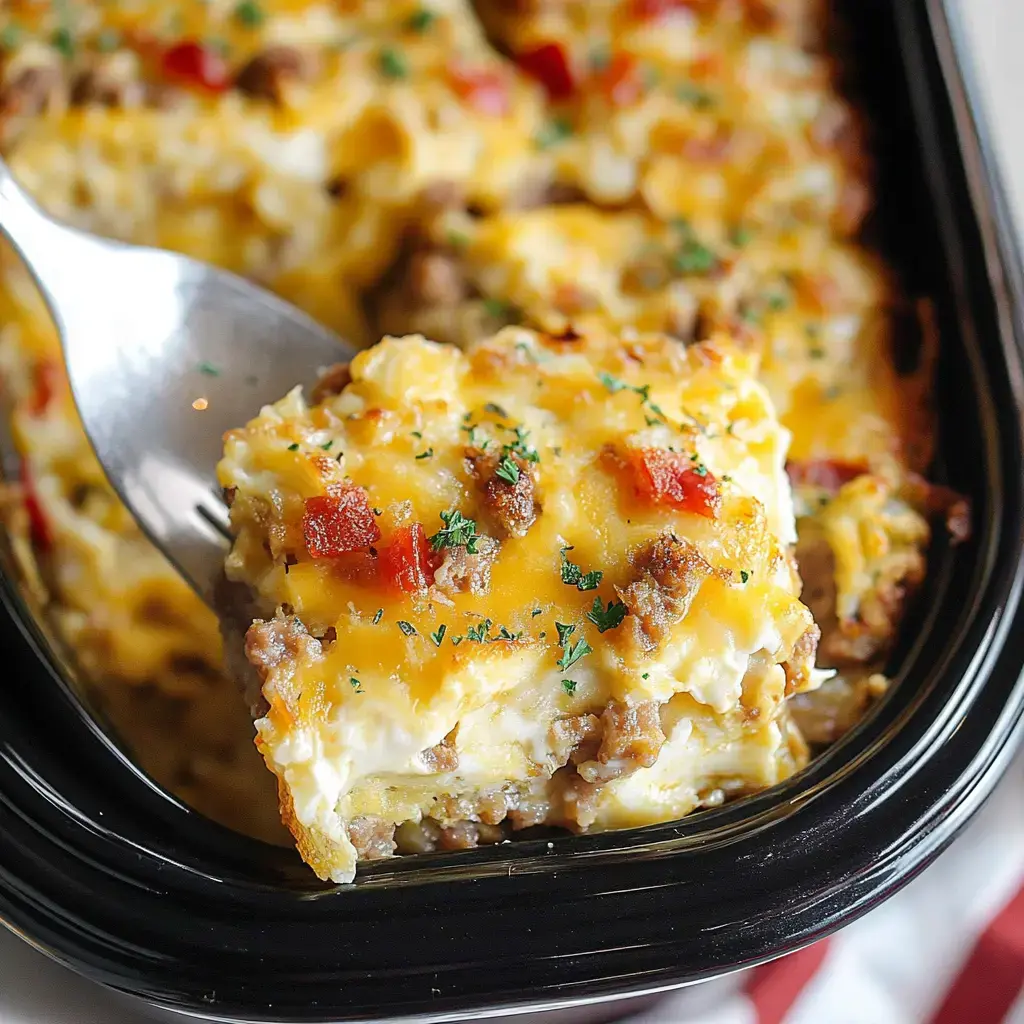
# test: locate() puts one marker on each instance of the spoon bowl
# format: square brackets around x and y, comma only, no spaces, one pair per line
[164,354]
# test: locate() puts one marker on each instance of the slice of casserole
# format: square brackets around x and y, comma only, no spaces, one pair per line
[546,580]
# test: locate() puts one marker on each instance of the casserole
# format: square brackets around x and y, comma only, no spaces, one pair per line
[658,906]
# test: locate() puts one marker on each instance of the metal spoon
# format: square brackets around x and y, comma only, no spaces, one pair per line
[164,354]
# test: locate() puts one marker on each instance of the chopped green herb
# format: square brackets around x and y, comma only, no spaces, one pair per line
[416,433]
[421,20]
[406,627]
[457,239]
[428,454]
[520,447]
[741,236]
[478,633]
[250,14]
[557,130]
[569,686]
[458,532]
[63,40]
[564,631]
[600,57]
[690,93]
[378,616]
[209,369]
[392,64]
[355,684]
[507,470]
[653,421]
[646,675]
[574,576]
[108,40]
[438,635]
[536,612]
[817,352]
[504,634]
[10,37]
[744,575]
[778,301]
[693,258]
[700,469]
[293,447]
[377,511]
[496,410]
[456,640]
[501,310]
[606,618]
[613,384]
[573,652]
[327,446]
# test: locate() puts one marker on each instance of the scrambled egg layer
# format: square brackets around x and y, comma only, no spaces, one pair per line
[629,518]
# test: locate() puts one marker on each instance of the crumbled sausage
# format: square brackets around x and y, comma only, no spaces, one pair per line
[269,643]
[30,91]
[373,838]
[443,195]
[101,86]
[332,381]
[801,661]
[577,737]
[669,573]
[460,571]
[631,738]
[265,75]
[436,279]
[572,299]
[441,757]
[461,835]
[513,506]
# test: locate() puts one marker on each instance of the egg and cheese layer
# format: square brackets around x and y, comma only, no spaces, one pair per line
[480,567]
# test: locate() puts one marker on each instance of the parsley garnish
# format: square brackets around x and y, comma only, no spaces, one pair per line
[646,675]
[438,636]
[744,575]
[392,64]
[520,447]
[108,40]
[741,236]
[574,576]
[536,612]
[606,618]
[690,93]
[569,686]
[209,369]
[504,634]
[474,440]
[63,40]
[417,434]
[421,20]
[293,447]
[378,616]
[693,258]
[457,239]
[458,532]
[507,470]
[571,652]
[249,13]
[492,407]
[327,446]
[557,130]
[10,37]
[428,454]
[502,310]
[478,633]
[406,627]
[614,386]
[700,469]
[456,640]
[355,684]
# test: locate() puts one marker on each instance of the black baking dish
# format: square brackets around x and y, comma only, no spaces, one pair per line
[113,877]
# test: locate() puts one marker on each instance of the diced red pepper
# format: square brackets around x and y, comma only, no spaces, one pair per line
[39,527]
[621,81]
[673,478]
[828,474]
[406,562]
[549,64]
[47,380]
[338,523]
[652,10]
[197,65]
[484,89]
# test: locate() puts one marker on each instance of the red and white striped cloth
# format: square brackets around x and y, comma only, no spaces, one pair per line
[947,949]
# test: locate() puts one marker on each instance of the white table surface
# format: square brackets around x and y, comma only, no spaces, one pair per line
[33,990]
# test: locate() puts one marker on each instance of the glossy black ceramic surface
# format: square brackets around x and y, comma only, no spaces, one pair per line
[112,876]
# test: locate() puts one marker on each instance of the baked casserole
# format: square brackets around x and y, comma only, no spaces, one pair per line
[593,211]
